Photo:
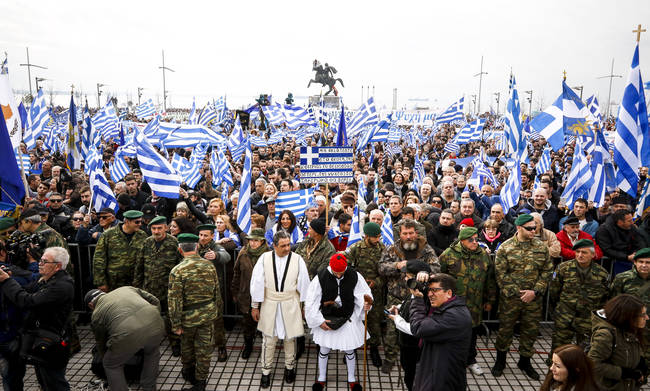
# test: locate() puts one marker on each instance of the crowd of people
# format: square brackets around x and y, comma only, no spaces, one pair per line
[167,268]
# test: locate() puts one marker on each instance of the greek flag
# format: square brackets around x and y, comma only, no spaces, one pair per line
[544,163]
[376,189]
[378,133]
[258,141]
[470,132]
[295,201]
[236,143]
[594,109]
[220,163]
[632,141]
[106,121]
[275,138]
[73,154]
[22,158]
[418,172]
[453,112]
[598,171]
[119,168]
[156,170]
[362,191]
[192,174]
[146,109]
[355,229]
[38,117]
[208,115]
[367,115]
[394,134]
[293,116]
[187,136]
[387,230]
[393,150]
[513,128]
[483,172]
[511,190]
[244,203]
[451,147]
[643,207]
[102,194]
[580,178]
[192,120]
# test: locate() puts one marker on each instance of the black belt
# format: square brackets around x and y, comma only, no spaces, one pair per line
[196,306]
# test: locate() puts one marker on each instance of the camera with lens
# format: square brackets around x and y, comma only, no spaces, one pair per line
[20,244]
[413,283]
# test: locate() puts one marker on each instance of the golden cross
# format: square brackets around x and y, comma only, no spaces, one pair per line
[638,32]
[564,72]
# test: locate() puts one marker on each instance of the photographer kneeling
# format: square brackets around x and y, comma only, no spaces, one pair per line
[444,325]
[50,303]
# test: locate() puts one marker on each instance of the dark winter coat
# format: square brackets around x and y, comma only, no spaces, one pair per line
[446,335]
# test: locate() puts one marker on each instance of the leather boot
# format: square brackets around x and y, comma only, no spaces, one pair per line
[248,348]
[375,357]
[500,365]
[300,347]
[188,375]
[199,386]
[524,365]
[223,354]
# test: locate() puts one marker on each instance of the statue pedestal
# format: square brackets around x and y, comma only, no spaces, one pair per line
[329,101]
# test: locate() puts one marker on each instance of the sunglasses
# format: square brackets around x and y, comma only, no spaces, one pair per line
[104,217]
[471,240]
[56,200]
[436,202]
[79,218]
[529,229]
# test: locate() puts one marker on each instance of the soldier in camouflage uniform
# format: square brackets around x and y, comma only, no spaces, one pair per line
[579,287]
[523,268]
[636,281]
[363,256]
[117,252]
[192,301]
[215,253]
[473,270]
[159,255]
[316,250]
[409,246]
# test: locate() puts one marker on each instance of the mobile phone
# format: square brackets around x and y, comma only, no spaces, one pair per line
[387,312]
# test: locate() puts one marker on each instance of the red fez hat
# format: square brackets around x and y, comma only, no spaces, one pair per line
[338,263]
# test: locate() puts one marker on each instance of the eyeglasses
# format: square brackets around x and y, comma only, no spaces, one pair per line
[471,240]
[104,217]
[436,289]
[43,261]
[56,200]
[529,229]
[78,218]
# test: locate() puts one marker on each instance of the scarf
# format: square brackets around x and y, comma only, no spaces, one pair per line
[493,239]
[256,252]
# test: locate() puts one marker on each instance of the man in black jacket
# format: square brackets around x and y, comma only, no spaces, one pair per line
[446,334]
[49,301]
[620,239]
[443,234]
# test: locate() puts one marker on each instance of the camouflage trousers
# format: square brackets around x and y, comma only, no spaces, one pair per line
[196,349]
[567,325]
[511,310]
[219,332]
[391,346]
[375,317]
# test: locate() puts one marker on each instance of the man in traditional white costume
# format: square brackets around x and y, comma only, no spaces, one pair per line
[334,309]
[279,283]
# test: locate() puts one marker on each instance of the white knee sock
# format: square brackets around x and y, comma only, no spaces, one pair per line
[323,355]
[351,362]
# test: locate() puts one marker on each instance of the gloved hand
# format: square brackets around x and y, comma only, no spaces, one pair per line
[631,373]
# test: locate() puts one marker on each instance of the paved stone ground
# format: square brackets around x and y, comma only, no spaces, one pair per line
[238,374]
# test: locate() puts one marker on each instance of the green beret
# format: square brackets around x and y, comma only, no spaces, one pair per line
[467,233]
[582,243]
[372,229]
[132,214]
[523,219]
[206,227]
[188,238]
[6,223]
[643,253]
[256,234]
[158,220]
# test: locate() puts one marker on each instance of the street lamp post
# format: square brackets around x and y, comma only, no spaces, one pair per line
[29,72]
[498,95]
[164,68]
[609,94]
[480,85]
[139,94]
[99,94]
[38,80]
[474,102]
[530,102]
[579,88]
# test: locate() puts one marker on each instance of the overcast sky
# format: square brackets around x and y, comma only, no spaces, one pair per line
[425,49]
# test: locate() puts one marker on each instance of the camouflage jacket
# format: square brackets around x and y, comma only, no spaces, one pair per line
[319,258]
[154,264]
[578,295]
[53,238]
[475,277]
[397,289]
[365,259]
[193,293]
[630,282]
[523,266]
[115,257]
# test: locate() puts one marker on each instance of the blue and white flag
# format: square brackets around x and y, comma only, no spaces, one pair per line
[632,141]
[580,178]
[643,207]
[73,153]
[156,170]
[355,228]
[38,117]
[418,172]
[544,163]
[367,115]
[326,164]
[362,191]
[244,203]
[119,168]
[470,132]
[236,143]
[208,115]
[23,160]
[192,119]
[451,147]
[599,172]
[295,201]
[482,172]
[387,230]
[146,109]
[511,190]
[513,128]
[594,109]
[453,113]
[106,122]
[341,134]
[102,194]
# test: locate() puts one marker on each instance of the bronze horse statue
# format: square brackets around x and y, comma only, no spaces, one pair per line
[325,76]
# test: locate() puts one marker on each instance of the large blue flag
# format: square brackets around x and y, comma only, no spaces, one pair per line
[11,182]
[341,134]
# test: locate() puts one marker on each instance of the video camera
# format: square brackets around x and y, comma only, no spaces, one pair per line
[412,283]
[20,244]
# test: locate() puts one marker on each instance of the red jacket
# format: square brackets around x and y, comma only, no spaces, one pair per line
[567,253]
